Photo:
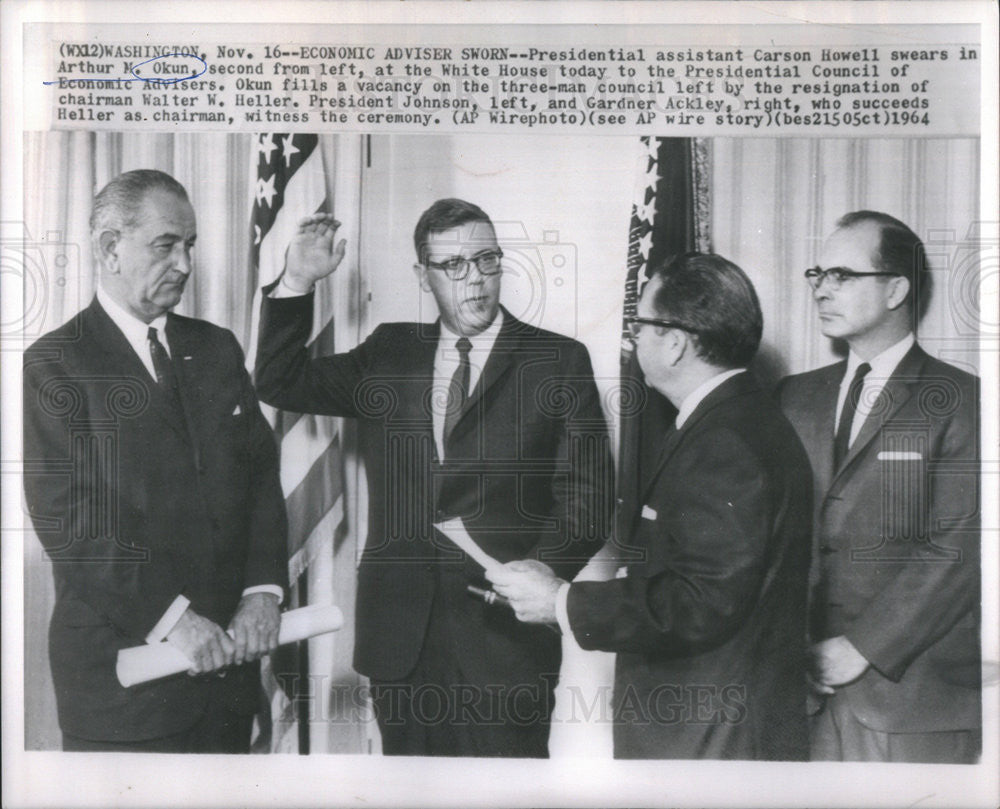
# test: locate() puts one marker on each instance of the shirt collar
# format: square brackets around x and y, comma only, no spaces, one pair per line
[135,331]
[882,365]
[482,340]
[695,397]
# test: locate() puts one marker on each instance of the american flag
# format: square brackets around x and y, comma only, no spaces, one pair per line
[669,216]
[289,183]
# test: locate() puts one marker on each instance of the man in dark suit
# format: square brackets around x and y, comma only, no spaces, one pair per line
[477,416]
[892,435]
[709,625]
[151,478]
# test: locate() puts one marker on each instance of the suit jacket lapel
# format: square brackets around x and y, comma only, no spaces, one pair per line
[734,386]
[186,359]
[894,395]
[497,364]
[123,359]
[420,356]
[819,439]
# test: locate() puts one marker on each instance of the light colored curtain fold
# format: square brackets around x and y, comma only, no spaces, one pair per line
[775,201]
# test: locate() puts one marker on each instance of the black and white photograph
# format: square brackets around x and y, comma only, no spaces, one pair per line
[501,413]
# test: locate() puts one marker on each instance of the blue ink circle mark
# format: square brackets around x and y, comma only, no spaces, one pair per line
[143,78]
[170,56]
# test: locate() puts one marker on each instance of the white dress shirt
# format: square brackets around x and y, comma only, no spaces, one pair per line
[446,361]
[882,367]
[695,397]
[136,332]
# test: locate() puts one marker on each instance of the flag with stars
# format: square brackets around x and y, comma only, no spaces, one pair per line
[289,183]
[669,217]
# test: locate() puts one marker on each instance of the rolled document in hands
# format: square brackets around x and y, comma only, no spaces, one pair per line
[456,531]
[141,664]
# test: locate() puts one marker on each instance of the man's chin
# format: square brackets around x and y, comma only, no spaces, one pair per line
[166,301]
[828,328]
[475,318]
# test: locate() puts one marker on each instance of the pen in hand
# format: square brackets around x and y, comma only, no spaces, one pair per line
[489,596]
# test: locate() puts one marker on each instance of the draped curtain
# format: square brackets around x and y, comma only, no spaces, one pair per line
[774,201]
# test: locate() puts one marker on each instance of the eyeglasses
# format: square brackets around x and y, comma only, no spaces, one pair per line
[635,325]
[835,276]
[457,268]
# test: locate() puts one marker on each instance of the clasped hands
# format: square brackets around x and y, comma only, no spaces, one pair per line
[254,630]
[834,662]
[530,586]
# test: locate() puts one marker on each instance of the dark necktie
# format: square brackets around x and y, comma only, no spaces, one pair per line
[843,437]
[458,391]
[165,376]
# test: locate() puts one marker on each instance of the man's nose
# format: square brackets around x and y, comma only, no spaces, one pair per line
[822,292]
[475,275]
[183,263]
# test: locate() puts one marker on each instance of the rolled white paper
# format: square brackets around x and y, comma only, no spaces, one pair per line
[456,531]
[141,664]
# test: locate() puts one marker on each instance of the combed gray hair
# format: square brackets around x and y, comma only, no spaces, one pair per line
[117,205]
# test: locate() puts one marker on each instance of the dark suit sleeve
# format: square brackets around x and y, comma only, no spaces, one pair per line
[288,378]
[584,498]
[267,543]
[929,593]
[69,500]
[706,557]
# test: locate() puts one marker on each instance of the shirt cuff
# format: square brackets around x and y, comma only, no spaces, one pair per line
[273,589]
[562,612]
[282,290]
[169,620]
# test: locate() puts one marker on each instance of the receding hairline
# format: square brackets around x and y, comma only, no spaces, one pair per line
[135,218]
[117,205]
[877,230]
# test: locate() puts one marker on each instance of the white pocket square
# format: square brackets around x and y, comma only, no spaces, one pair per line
[238,410]
[887,455]
[648,513]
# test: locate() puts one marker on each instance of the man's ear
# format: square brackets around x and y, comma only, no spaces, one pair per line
[107,249]
[898,288]
[421,272]
[676,345]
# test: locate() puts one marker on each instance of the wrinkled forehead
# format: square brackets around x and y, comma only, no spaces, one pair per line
[466,239]
[854,247]
[167,213]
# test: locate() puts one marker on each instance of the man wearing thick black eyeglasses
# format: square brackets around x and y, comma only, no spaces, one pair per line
[892,435]
[708,624]
[477,416]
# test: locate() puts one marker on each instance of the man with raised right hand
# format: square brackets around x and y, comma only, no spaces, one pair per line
[477,417]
